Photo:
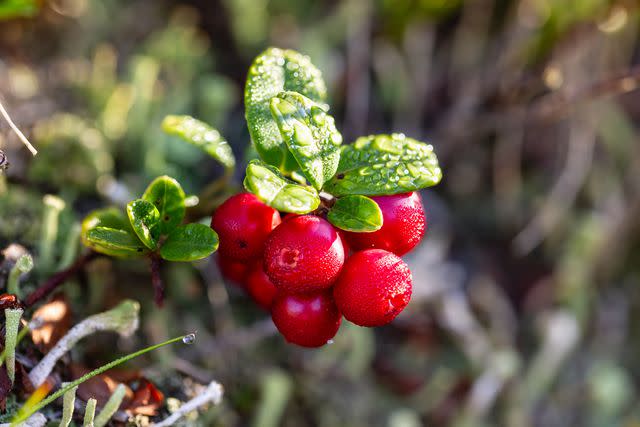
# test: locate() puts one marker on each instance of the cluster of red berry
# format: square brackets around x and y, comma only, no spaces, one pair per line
[299,268]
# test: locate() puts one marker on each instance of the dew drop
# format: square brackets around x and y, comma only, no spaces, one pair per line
[189,339]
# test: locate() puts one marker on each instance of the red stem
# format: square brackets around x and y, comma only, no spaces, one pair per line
[156,280]
[59,278]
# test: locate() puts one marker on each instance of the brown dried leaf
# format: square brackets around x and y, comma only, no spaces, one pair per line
[101,388]
[141,396]
[56,318]
[147,399]
[23,382]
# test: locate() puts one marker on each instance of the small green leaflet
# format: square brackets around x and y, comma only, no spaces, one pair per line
[107,217]
[271,187]
[145,221]
[356,213]
[108,231]
[168,197]
[202,136]
[310,134]
[189,243]
[384,164]
[273,71]
[114,242]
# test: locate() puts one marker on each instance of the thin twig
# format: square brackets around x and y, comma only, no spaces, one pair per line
[564,191]
[12,125]
[59,278]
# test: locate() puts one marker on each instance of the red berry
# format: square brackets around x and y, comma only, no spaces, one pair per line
[308,320]
[373,288]
[402,229]
[232,270]
[243,223]
[260,287]
[303,254]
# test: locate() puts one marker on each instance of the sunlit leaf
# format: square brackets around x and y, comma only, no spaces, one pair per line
[202,136]
[189,243]
[145,221]
[271,187]
[310,134]
[107,217]
[384,164]
[115,242]
[167,196]
[273,71]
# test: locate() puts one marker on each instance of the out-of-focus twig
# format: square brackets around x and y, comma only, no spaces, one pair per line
[564,191]
[358,51]
[561,333]
[212,394]
[17,131]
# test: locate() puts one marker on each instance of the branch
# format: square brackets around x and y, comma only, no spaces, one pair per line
[59,278]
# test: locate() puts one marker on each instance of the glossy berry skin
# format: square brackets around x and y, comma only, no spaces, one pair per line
[233,271]
[308,320]
[373,288]
[260,287]
[303,254]
[243,223]
[402,229]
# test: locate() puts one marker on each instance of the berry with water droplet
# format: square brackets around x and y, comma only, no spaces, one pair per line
[308,320]
[373,288]
[303,254]
[261,289]
[402,229]
[243,223]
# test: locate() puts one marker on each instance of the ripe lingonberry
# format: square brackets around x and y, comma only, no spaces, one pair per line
[373,288]
[303,254]
[260,287]
[308,320]
[232,270]
[402,229]
[243,223]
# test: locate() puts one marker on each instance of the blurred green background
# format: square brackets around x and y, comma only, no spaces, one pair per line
[526,289]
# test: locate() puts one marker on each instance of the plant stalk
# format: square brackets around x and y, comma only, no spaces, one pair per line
[25,413]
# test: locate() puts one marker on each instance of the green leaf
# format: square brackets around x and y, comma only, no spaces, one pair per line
[145,221]
[310,134]
[167,196]
[271,187]
[108,217]
[202,136]
[115,242]
[108,231]
[273,71]
[18,8]
[189,243]
[384,164]
[356,213]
